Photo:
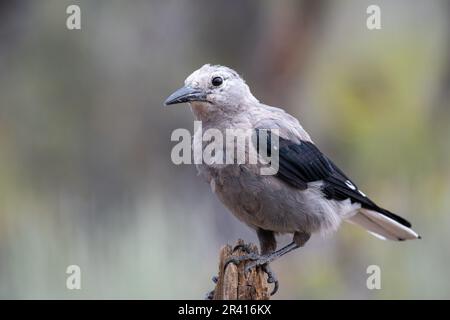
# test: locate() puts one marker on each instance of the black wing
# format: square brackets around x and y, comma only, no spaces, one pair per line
[300,163]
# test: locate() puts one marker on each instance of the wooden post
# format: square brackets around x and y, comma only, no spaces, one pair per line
[234,284]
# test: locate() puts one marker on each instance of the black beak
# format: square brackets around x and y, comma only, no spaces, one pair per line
[185,94]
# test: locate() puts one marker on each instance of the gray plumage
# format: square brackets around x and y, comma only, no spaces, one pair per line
[270,204]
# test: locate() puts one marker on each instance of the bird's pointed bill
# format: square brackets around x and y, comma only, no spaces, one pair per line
[185,94]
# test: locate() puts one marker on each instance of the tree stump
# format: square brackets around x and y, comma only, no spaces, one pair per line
[234,283]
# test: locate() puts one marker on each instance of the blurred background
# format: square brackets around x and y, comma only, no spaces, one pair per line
[85,171]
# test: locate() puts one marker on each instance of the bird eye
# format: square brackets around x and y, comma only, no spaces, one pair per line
[217,81]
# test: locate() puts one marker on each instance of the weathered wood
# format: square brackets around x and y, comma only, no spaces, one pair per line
[234,284]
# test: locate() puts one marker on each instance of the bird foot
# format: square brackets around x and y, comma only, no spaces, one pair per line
[257,261]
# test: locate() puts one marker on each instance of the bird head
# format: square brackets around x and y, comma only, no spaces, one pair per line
[213,89]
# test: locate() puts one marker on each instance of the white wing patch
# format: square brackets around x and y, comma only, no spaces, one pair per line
[350,185]
[353,187]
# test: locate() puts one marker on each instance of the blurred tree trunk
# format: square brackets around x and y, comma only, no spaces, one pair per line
[284,47]
[444,96]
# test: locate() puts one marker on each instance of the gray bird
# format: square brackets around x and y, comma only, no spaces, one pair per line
[308,194]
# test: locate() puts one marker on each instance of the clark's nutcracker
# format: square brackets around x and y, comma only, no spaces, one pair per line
[308,194]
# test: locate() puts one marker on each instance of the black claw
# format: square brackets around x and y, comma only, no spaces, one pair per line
[233,260]
[244,247]
[275,288]
[271,278]
[209,295]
